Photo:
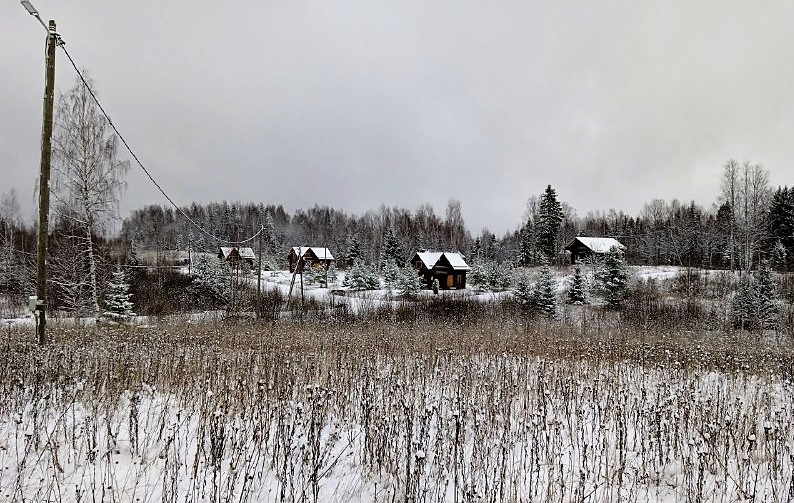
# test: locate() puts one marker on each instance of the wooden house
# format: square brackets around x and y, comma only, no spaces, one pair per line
[582,247]
[235,255]
[312,256]
[448,268]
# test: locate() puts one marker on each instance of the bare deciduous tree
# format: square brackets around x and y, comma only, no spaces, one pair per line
[88,178]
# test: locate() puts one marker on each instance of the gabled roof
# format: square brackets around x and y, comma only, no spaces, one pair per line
[321,253]
[456,261]
[597,245]
[244,252]
[430,259]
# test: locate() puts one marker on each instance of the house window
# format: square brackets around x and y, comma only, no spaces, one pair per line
[418,265]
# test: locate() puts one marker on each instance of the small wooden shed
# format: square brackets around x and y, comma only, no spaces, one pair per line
[582,247]
[448,268]
[314,256]
[234,255]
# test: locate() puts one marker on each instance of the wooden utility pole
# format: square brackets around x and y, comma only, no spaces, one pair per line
[259,277]
[44,187]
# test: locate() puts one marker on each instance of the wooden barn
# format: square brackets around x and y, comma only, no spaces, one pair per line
[235,255]
[582,247]
[448,268]
[313,256]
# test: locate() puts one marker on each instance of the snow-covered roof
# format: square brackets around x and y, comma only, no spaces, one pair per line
[456,261]
[430,259]
[599,245]
[244,252]
[319,251]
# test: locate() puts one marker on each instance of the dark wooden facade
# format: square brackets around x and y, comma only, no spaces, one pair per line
[236,255]
[450,271]
[584,247]
[312,256]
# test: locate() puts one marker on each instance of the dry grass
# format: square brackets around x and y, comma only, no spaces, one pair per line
[377,411]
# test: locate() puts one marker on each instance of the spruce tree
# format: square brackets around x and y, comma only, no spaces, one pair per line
[524,294]
[361,277]
[780,225]
[744,305]
[390,249]
[526,255]
[766,298]
[390,272]
[550,218]
[118,299]
[353,251]
[576,295]
[544,294]
[408,282]
[211,279]
[614,277]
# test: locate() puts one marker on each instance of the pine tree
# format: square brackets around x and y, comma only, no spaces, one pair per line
[527,247]
[550,218]
[118,299]
[544,294]
[361,277]
[408,282]
[576,295]
[766,298]
[614,278]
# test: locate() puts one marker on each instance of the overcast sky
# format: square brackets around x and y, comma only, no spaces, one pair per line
[354,104]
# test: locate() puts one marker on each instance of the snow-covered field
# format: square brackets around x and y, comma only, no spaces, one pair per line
[429,414]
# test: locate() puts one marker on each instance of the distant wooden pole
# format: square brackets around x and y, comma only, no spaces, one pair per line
[44,187]
[259,277]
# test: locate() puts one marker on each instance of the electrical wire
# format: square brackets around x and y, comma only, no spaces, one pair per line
[140,164]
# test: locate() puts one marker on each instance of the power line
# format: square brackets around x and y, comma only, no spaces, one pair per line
[140,164]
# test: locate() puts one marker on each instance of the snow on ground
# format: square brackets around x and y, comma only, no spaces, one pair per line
[540,431]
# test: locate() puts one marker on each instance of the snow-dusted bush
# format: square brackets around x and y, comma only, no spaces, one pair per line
[118,299]
[361,277]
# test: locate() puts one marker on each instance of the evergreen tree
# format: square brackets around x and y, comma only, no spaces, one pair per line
[779,255]
[390,272]
[390,249]
[614,277]
[744,305]
[211,279]
[781,222]
[476,249]
[526,255]
[118,299]
[408,282]
[576,295]
[524,294]
[544,294]
[491,276]
[361,277]
[766,298]
[353,251]
[550,218]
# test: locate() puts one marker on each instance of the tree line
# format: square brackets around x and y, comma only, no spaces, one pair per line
[750,223]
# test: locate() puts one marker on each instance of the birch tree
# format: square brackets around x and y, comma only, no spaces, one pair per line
[88,178]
